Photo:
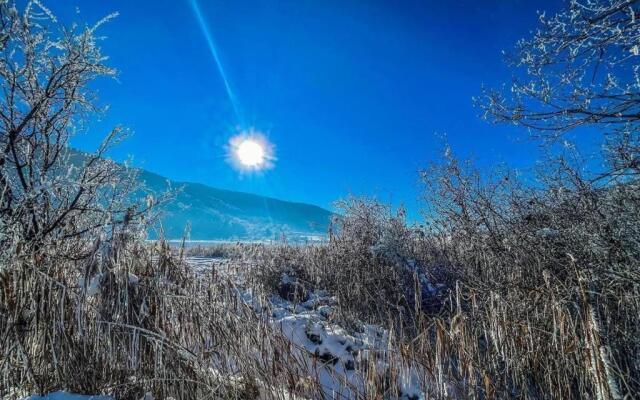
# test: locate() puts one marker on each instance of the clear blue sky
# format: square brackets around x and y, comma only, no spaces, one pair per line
[353,94]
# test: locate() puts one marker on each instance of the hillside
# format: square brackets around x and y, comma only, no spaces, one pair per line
[223,214]
[218,214]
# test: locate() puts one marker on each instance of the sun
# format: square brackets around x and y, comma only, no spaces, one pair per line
[250,153]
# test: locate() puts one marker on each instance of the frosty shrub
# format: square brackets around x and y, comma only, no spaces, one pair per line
[548,280]
[547,301]
[375,246]
[369,264]
[51,197]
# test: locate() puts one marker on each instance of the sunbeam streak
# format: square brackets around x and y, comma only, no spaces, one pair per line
[214,52]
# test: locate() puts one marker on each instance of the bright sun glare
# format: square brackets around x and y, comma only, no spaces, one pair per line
[250,153]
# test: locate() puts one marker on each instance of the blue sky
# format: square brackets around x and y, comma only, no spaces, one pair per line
[353,94]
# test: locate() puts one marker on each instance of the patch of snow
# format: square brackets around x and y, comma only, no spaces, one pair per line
[67,396]
[336,358]
[95,284]
[410,386]
[133,279]
[547,232]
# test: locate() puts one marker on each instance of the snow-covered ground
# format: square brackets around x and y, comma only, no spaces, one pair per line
[67,396]
[342,361]
[339,358]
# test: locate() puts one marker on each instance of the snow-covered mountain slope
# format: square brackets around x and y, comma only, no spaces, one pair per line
[223,214]
[217,214]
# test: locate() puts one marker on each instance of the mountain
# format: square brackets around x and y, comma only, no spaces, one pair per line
[218,214]
[213,213]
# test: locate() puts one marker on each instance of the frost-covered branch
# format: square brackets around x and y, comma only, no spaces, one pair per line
[581,67]
[47,190]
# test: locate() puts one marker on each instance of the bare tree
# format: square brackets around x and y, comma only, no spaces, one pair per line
[580,68]
[48,191]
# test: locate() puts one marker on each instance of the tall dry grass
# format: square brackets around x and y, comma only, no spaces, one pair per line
[149,325]
[547,301]
[539,294]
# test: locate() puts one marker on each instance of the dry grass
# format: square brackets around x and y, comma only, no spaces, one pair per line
[153,326]
[541,294]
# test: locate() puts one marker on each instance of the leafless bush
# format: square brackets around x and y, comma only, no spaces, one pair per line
[370,264]
[547,300]
[546,304]
[47,191]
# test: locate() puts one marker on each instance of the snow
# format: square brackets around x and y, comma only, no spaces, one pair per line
[67,396]
[547,232]
[337,357]
[95,284]
[97,280]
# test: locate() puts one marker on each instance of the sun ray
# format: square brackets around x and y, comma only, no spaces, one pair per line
[214,52]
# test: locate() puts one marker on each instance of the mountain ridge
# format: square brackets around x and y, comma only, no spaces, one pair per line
[214,213]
